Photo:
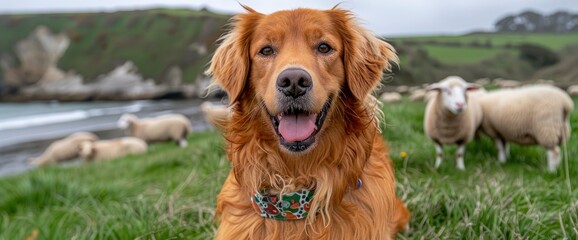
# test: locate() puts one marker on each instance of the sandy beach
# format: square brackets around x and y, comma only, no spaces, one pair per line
[27,129]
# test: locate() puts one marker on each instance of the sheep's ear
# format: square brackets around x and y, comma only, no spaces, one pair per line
[230,63]
[473,86]
[365,56]
[434,87]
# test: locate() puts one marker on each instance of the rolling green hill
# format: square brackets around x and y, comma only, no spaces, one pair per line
[153,39]
[479,55]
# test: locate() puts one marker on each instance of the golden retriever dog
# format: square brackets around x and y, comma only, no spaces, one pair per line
[308,160]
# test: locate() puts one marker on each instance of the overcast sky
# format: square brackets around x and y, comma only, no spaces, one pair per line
[385,17]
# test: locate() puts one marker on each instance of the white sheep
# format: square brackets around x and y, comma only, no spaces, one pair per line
[505,83]
[483,81]
[390,97]
[168,127]
[216,115]
[573,90]
[530,115]
[402,89]
[112,149]
[64,149]
[452,117]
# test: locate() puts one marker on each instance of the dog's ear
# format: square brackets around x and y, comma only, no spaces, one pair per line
[230,64]
[365,56]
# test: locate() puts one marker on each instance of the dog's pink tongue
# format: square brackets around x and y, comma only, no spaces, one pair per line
[296,127]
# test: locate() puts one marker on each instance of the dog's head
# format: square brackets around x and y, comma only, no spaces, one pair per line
[297,66]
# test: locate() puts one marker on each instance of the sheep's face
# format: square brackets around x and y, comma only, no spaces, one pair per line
[85,149]
[452,91]
[125,120]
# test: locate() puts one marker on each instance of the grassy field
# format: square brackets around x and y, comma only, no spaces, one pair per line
[463,55]
[170,193]
[458,50]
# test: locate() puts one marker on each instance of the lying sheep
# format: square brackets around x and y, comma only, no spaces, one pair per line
[216,115]
[417,95]
[63,150]
[421,95]
[402,89]
[504,83]
[573,90]
[483,81]
[390,97]
[452,117]
[545,81]
[528,115]
[111,149]
[169,127]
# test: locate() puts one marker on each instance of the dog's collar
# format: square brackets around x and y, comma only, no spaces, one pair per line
[289,206]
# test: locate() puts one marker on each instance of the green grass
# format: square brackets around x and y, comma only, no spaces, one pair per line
[458,50]
[170,193]
[462,55]
[516,200]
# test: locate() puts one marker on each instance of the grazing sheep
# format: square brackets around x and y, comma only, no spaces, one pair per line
[64,149]
[216,115]
[168,127]
[452,117]
[530,115]
[390,97]
[573,90]
[111,149]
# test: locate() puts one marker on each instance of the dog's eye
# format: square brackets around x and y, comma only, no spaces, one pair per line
[324,48]
[267,51]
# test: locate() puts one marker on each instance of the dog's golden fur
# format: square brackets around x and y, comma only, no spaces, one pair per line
[348,147]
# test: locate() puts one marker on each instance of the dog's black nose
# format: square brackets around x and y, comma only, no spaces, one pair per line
[294,82]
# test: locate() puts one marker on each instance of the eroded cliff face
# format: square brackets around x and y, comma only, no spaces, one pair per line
[38,55]
[37,76]
[68,56]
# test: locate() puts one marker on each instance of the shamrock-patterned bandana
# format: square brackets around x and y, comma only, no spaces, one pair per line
[290,206]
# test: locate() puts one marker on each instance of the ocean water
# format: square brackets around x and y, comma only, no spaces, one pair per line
[22,115]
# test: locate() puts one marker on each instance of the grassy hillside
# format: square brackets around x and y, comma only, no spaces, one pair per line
[473,48]
[555,41]
[170,192]
[463,55]
[480,55]
[154,39]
